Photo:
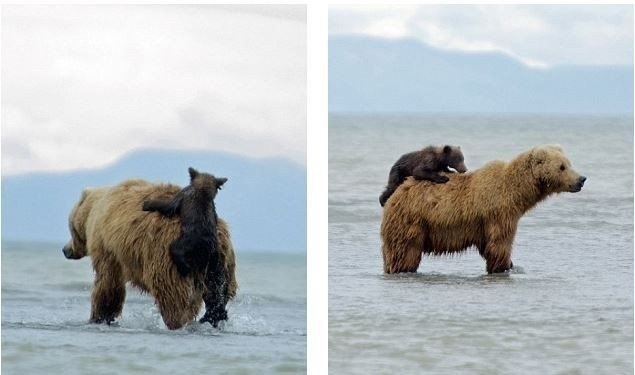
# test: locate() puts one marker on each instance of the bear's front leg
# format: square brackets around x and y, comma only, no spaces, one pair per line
[424,174]
[498,250]
[165,207]
[482,253]
[498,266]
[173,305]
[109,291]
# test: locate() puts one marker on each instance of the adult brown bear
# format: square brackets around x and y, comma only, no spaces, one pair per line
[480,208]
[127,244]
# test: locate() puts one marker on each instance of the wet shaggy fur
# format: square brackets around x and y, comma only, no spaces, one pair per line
[480,208]
[424,164]
[196,249]
[127,244]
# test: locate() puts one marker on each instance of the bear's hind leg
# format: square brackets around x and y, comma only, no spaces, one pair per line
[231,286]
[214,295]
[395,178]
[385,195]
[109,291]
[407,254]
[414,253]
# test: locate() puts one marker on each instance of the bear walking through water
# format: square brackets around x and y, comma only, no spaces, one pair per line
[127,244]
[480,208]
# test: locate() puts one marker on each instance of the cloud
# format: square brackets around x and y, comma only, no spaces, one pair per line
[82,85]
[536,35]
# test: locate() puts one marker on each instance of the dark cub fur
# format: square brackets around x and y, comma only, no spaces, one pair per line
[196,249]
[424,165]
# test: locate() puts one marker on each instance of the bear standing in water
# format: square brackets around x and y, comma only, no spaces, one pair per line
[196,248]
[424,165]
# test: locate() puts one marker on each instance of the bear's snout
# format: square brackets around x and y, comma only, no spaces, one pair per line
[67,250]
[578,185]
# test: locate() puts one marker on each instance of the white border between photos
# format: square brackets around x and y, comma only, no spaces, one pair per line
[317,188]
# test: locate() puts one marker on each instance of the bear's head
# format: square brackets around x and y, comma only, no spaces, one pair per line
[453,157]
[552,170]
[205,182]
[76,247]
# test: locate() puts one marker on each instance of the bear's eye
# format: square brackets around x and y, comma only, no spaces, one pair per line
[562,167]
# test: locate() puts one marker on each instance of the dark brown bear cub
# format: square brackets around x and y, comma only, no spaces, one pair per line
[196,249]
[424,165]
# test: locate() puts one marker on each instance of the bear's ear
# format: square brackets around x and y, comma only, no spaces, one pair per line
[447,149]
[538,156]
[193,173]
[85,193]
[220,181]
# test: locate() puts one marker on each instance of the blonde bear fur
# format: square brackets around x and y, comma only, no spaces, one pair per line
[127,244]
[480,208]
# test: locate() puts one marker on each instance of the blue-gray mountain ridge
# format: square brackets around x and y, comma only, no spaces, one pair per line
[369,74]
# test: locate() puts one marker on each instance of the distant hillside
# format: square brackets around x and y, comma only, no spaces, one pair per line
[264,201]
[376,75]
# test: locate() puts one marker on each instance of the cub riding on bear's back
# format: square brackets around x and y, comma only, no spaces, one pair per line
[196,248]
[424,165]
[478,209]
[128,245]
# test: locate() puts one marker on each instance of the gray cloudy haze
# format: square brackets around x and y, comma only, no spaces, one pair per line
[539,36]
[84,85]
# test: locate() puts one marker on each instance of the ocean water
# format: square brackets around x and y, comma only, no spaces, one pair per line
[566,308]
[46,305]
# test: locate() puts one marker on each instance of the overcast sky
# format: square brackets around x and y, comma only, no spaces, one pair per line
[82,85]
[538,35]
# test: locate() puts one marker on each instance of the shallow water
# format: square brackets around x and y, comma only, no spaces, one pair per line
[567,307]
[46,304]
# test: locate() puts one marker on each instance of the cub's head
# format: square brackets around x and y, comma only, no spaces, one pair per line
[205,182]
[454,158]
[76,247]
[552,170]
